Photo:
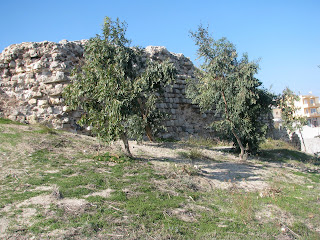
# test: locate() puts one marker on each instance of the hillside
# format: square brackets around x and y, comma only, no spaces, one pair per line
[59,185]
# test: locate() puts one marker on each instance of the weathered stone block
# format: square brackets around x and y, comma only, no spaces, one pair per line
[177,91]
[12,64]
[37,66]
[54,100]
[33,53]
[32,101]
[42,103]
[32,119]
[190,130]
[37,94]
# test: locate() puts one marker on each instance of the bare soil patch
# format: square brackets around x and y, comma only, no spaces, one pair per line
[216,173]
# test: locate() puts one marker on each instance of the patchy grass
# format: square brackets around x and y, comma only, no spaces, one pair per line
[285,155]
[205,142]
[43,129]
[281,151]
[10,138]
[192,154]
[61,187]
[8,121]
[312,176]
[40,156]
[270,144]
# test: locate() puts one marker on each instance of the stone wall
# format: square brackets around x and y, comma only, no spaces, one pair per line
[33,76]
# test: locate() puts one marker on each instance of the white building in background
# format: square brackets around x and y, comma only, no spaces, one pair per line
[309,106]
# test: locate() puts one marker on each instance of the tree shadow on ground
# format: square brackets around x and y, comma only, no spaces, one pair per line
[215,168]
[283,155]
[185,145]
[170,145]
[233,172]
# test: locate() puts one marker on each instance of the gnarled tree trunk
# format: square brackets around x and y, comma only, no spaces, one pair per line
[149,132]
[144,113]
[124,139]
[242,155]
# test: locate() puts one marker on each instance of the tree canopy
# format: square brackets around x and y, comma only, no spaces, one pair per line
[227,85]
[116,88]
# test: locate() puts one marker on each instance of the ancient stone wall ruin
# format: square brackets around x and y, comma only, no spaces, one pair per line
[33,76]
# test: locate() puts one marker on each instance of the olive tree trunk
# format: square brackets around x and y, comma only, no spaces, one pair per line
[125,141]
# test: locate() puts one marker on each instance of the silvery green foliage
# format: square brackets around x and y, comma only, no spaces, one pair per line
[116,88]
[226,84]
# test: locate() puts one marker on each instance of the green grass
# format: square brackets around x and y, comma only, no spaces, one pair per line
[112,158]
[8,121]
[12,138]
[281,151]
[285,155]
[314,177]
[271,144]
[46,130]
[14,196]
[40,156]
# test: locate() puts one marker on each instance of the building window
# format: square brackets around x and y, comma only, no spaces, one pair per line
[307,111]
[313,110]
[311,101]
[305,101]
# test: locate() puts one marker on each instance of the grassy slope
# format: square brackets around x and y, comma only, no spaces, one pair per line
[60,185]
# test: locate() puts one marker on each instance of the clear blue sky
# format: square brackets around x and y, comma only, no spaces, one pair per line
[285,34]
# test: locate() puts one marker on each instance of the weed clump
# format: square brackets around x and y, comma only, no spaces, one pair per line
[192,154]
[56,193]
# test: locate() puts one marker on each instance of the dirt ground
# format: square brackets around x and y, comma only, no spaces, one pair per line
[217,168]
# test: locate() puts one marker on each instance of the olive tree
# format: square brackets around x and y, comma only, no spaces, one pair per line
[226,84]
[116,88]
